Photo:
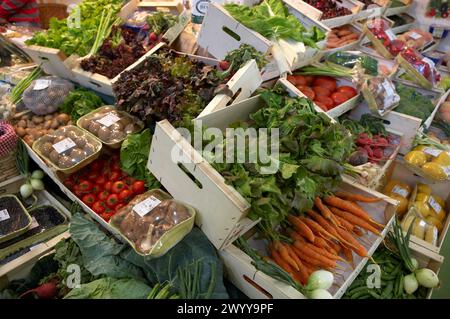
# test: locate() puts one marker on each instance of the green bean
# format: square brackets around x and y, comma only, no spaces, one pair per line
[359,294]
[374,294]
[388,290]
[400,287]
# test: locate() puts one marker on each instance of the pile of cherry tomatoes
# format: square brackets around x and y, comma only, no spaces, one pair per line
[104,187]
[323,90]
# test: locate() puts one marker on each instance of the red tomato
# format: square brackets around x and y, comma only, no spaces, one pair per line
[292,79]
[69,183]
[99,207]
[130,180]
[348,90]
[106,216]
[117,187]
[321,105]
[138,187]
[125,196]
[88,199]
[92,176]
[96,189]
[300,80]
[103,195]
[309,79]
[101,180]
[307,91]
[327,82]
[115,175]
[85,186]
[108,186]
[339,98]
[325,100]
[321,90]
[78,193]
[96,166]
[115,166]
[112,200]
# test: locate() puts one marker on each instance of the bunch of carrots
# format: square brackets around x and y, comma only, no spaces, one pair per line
[316,240]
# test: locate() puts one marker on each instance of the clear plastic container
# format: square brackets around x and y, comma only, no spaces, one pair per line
[153,222]
[110,125]
[14,218]
[68,149]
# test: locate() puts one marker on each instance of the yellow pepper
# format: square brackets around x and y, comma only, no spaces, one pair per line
[423,198]
[434,170]
[423,209]
[443,159]
[416,158]
[434,221]
[423,188]
[397,187]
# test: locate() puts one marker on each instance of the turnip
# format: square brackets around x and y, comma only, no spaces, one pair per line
[26,190]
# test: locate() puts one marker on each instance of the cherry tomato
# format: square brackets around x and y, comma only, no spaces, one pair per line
[328,102]
[339,98]
[223,65]
[115,175]
[112,200]
[347,90]
[108,186]
[88,199]
[125,196]
[103,195]
[117,187]
[307,91]
[321,90]
[99,207]
[138,187]
[85,186]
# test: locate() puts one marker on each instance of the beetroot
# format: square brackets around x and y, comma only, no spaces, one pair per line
[44,291]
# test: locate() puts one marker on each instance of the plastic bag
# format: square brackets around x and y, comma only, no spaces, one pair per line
[350,59]
[416,38]
[380,94]
[44,95]
[153,222]
[383,38]
[420,68]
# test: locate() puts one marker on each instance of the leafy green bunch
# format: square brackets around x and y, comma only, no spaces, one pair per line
[272,20]
[312,150]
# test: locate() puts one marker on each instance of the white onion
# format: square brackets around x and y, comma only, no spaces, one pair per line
[415,263]
[26,190]
[320,294]
[427,278]
[410,284]
[37,174]
[320,279]
[37,184]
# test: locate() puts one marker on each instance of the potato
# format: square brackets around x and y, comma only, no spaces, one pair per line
[47,124]
[22,123]
[21,131]
[25,117]
[104,134]
[48,117]
[29,140]
[63,118]
[37,119]
[30,124]
[54,124]
[54,156]
[46,148]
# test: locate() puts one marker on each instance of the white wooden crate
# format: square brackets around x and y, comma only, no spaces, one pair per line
[334,112]
[221,33]
[103,84]
[390,11]
[353,5]
[256,284]
[372,11]
[55,62]
[243,83]
[441,189]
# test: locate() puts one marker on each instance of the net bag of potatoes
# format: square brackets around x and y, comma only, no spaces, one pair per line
[153,222]
[46,94]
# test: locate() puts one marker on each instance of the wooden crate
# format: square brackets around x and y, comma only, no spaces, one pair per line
[256,284]
[243,83]
[103,84]
[441,189]
[390,11]
[55,62]
[221,33]
[11,185]
[336,111]
[373,11]
[353,5]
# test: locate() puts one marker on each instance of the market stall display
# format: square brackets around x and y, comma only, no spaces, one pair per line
[299,145]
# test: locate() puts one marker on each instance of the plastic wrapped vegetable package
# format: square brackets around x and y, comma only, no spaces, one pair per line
[14,218]
[153,222]
[46,94]
[380,94]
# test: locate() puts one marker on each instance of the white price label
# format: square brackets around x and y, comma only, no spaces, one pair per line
[146,206]
[109,119]
[4,215]
[414,35]
[41,84]
[447,170]
[64,145]
[434,204]
[390,34]
[432,151]
[388,88]
[34,223]
[400,191]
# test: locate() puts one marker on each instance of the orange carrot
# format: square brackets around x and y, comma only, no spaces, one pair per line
[307,251]
[280,262]
[317,229]
[356,246]
[294,235]
[356,197]
[372,222]
[344,223]
[334,246]
[303,274]
[358,232]
[323,209]
[284,253]
[319,250]
[301,227]
[348,254]
[355,220]
[320,242]
[347,206]
[312,262]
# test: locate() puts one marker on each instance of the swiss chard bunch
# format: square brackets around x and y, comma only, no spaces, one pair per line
[80,102]
[312,151]
[239,57]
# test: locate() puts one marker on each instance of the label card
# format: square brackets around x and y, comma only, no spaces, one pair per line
[109,119]
[432,151]
[400,191]
[434,204]
[4,215]
[64,145]
[146,206]
[41,84]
